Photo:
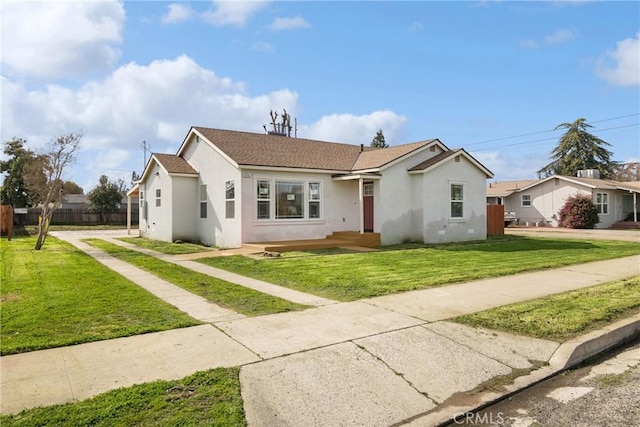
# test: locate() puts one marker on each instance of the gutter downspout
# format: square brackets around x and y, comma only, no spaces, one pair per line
[361,201]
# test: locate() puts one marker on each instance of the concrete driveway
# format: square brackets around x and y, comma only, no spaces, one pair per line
[570,233]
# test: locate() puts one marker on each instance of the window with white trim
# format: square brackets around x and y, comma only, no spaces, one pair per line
[203,201]
[230,199]
[367,189]
[314,200]
[602,203]
[287,200]
[457,200]
[525,200]
[158,198]
[263,195]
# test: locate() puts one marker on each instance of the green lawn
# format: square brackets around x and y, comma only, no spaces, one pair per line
[209,398]
[563,316]
[60,296]
[166,247]
[235,297]
[348,277]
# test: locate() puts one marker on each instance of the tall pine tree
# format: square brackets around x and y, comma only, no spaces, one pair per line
[578,149]
[378,140]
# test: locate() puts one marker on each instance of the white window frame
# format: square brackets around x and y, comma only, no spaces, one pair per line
[230,199]
[314,199]
[602,203]
[264,198]
[452,201]
[158,197]
[203,201]
[525,203]
[307,199]
[367,189]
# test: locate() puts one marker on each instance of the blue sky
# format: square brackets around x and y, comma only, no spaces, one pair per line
[492,77]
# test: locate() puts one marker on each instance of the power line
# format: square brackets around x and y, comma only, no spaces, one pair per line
[551,138]
[543,131]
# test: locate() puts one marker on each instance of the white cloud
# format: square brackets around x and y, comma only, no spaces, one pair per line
[352,129]
[232,12]
[178,12]
[56,39]
[621,66]
[295,23]
[559,36]
[157,102]
[511,167]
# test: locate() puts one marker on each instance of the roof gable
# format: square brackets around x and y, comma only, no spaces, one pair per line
[171,163]
[378,157]
[447,156]
[174,164]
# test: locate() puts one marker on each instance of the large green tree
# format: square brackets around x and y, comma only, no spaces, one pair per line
[106,196]
[14,189]
[378,141]
[578,149]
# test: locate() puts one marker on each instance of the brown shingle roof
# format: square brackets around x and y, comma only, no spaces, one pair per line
[433,160]
[375,158]
[254,149]
[174,164]
[504,188]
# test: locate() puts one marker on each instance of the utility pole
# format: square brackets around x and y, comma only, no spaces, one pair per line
[145,147]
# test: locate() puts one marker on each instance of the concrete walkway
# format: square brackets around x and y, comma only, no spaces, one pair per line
[383,361]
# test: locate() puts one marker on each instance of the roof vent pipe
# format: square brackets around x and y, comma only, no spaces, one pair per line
[361,148]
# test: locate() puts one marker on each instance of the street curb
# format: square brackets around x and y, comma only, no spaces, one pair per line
[566,356]
[582,348]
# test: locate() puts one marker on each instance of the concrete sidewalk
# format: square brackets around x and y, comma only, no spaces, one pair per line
[383,361]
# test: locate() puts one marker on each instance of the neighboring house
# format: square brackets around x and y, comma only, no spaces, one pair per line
[539,201]
[74,201]
[226,188]
[81,203]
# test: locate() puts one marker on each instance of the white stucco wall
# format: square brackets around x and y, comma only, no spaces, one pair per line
[438,226]
[415,207]
[158,224]
[184,208]
[215,170]
[339,208]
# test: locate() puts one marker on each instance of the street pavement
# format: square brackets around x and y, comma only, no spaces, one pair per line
[383,361]
[605,392]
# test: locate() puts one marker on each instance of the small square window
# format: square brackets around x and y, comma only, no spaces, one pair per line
[526,200]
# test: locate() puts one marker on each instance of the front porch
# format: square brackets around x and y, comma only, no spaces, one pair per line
[340,239]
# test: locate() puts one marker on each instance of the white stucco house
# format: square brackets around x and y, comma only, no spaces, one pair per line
[226,188]
[538,201]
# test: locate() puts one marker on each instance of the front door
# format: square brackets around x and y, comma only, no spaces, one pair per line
[368,206]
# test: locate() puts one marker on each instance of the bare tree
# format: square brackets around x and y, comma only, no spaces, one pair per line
[43,178]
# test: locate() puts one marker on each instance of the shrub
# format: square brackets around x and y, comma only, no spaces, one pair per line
[579,212]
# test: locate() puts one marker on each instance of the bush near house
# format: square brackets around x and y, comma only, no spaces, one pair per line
[579,212]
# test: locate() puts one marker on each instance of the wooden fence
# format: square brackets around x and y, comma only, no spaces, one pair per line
[6,221]
[495,220]
[78,217]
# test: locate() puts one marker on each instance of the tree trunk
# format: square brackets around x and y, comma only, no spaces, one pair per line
[43,227]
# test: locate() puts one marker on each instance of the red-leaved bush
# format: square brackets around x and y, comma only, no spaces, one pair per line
[578,212]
